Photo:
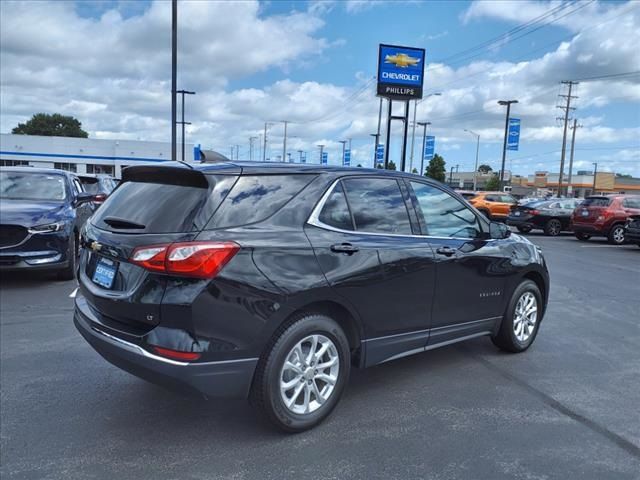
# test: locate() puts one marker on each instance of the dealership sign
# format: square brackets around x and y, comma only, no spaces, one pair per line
[400,72]
[379,154]
[346,161]
[325,158]
[429,147]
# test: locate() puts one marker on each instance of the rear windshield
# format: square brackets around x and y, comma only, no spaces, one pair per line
[140,207]
[596,202]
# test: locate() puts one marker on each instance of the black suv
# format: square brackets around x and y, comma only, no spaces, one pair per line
[271,281]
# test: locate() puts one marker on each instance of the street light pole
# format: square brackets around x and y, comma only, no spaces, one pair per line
[343,142]
[595,174]
[321,149]
[424,142]
[284,143]
[451,176]
[413,131]
[183,93]
[506,133]
[475,170]
[174,75]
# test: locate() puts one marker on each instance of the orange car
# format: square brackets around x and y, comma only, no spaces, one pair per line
[494,205]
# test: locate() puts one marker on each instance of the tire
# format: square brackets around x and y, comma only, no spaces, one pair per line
[69,272]
[524,229]
[583,237]
[553,227]
[271,373]
[514,336]
[616,235]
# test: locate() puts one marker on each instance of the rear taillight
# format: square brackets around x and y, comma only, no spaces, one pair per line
[99,198]
[534,212]
[176,354]
[187,259]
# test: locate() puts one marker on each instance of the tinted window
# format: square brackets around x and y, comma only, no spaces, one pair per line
[257,197]
[162,208]
[492,198]
[32,186]
[633,202]
[507,199]
[335,212]
[377,205]
[444,215]
[596,202]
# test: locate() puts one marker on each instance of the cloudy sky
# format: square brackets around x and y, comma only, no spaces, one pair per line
[313,63]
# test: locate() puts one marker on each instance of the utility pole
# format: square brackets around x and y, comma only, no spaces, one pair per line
[376,136]
[424,142]
[251,139]
[573,144]
[183,123]
[264,150]
[475,171]
[595,174]
[321,150]
[174,75]
[237,152]
[566,109]
[284,142]
[506,134]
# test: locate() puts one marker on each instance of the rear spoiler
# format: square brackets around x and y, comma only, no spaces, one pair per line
[167,175]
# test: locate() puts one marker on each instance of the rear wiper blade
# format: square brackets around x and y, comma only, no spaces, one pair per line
[116,222]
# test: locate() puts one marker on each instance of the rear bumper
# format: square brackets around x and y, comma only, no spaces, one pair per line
[632,235]
[231,379]
[587,228]
[519,222]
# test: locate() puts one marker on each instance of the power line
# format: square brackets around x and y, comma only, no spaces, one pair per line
[612,75]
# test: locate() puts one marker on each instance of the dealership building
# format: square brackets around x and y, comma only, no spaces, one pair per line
[88,155]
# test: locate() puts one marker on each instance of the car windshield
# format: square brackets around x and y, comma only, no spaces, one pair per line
[32,186]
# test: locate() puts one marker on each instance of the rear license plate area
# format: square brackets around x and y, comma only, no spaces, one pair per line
[105,272]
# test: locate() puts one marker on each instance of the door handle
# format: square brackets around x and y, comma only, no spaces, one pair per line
[344,248]
[447,251]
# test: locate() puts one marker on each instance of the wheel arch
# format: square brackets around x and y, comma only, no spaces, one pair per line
[538,279]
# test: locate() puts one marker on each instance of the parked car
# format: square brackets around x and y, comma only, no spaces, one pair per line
[494,205]
[272,280]
[99,185]
[632,230]
[42,213]
[604,216]
[550,216]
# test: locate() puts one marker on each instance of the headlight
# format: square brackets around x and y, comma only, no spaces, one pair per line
[49,228]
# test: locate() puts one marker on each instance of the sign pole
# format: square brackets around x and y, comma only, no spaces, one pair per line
[404,135]
[386,149]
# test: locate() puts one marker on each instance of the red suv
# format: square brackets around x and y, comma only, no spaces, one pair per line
[604,216]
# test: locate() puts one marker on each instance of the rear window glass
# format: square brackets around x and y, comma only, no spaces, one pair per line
[256,197]
[596,202]
[377,205]
[160,208]
[335,212]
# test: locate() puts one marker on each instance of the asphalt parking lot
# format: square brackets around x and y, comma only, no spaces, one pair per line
[567,408]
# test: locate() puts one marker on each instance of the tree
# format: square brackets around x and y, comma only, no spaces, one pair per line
[484,168]
[55,125]
[493,184]
[623,175]
[436,168]
[392,165]
[379,165]
[414,170]
[359,165]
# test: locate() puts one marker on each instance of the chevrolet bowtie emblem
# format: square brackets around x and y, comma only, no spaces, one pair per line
[95,246]
[401,60]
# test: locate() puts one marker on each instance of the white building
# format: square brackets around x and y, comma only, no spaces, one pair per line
[85,155]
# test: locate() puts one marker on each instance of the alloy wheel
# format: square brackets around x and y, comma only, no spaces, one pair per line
[525,316]
[309,374]
[618,234]
[554,227]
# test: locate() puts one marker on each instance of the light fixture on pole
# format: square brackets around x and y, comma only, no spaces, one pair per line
[475,170]
[506,133]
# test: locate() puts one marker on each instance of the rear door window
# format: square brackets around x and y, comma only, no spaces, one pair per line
[335,212]
[596,202]
[254,198]
[141,207]
[377,205]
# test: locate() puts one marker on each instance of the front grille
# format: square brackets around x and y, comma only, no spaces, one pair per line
[9,259]
[12,235]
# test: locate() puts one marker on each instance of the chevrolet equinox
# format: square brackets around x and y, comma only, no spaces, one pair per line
[272,281]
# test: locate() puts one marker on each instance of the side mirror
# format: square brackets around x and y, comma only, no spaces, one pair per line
[84,197]
[498,230]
